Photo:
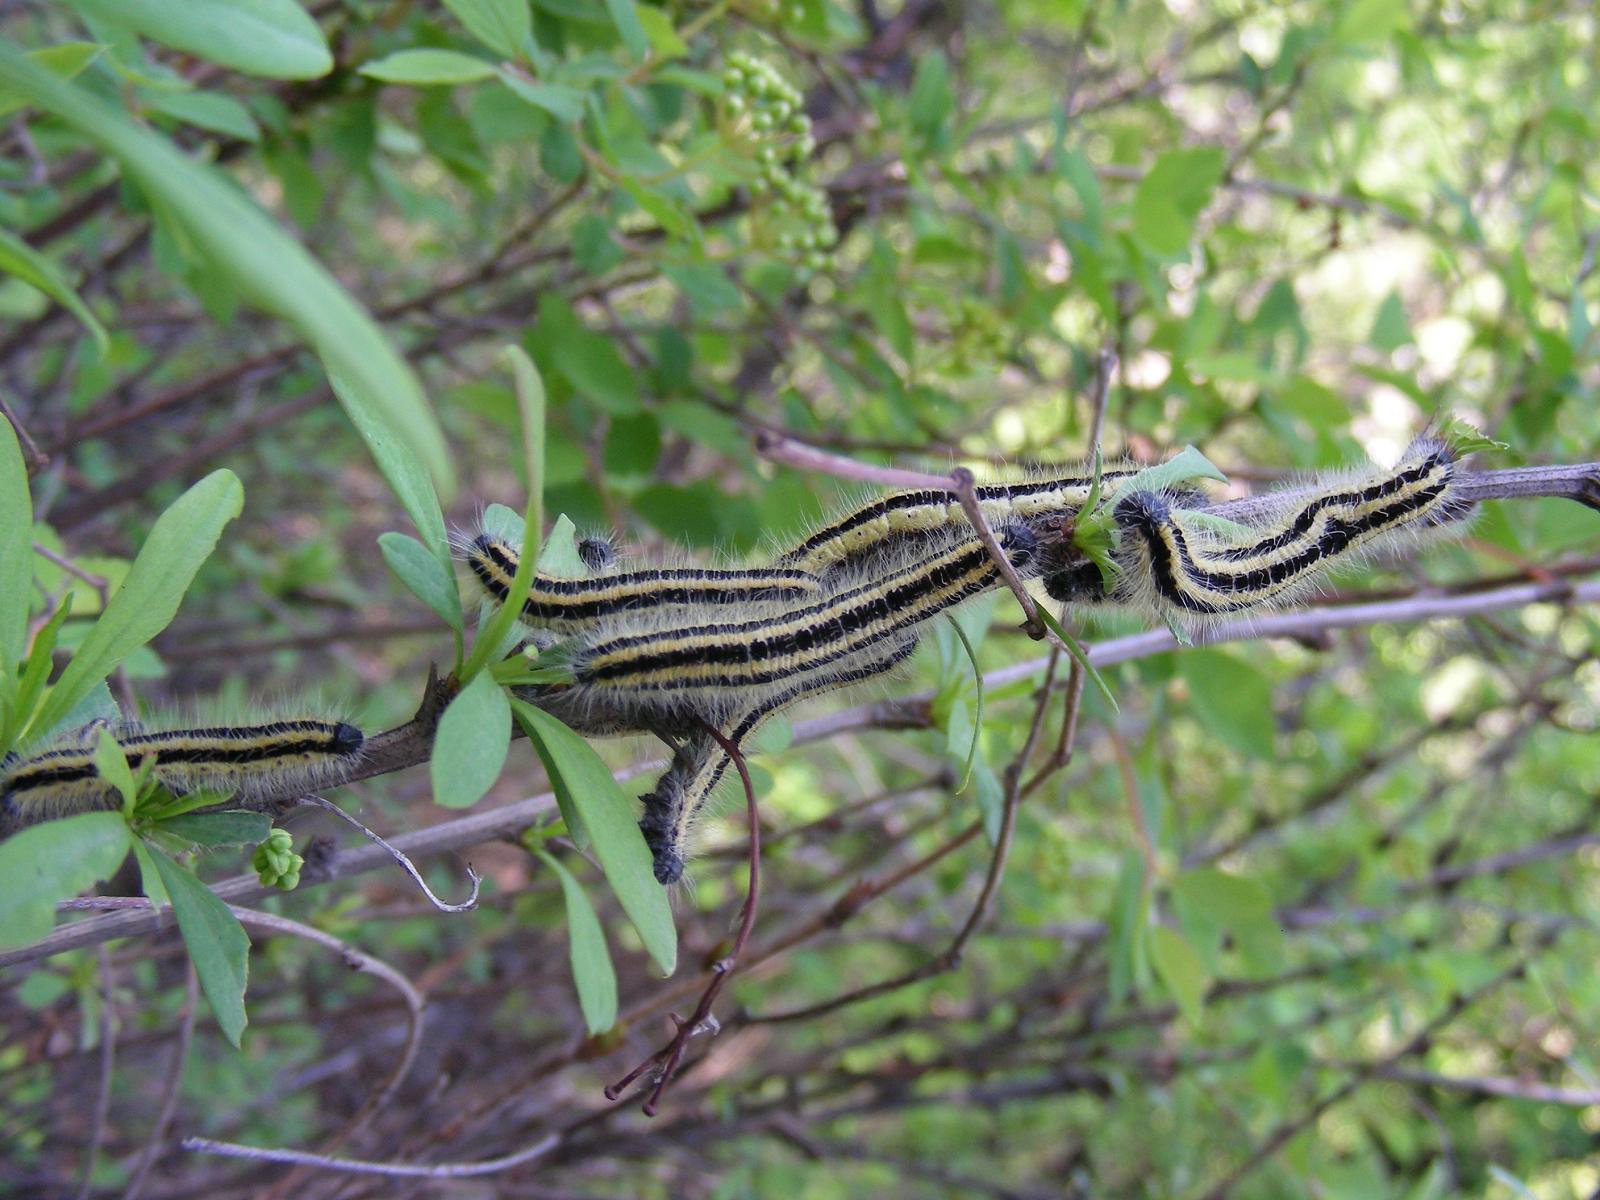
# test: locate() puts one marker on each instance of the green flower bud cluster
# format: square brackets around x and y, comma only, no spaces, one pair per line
[275,862]
[766,114]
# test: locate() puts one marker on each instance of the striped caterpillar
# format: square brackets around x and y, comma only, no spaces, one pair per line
[575,605]
[680,797]
[708,665]
[250,761]
[1176,566]
[884,569]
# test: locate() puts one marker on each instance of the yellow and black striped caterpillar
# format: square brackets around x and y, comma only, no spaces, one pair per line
[1176,565]
[681,796]
[575,605]
[673,665]
[250,761]
[708,664]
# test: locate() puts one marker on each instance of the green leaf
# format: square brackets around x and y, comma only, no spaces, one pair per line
[502,25]
[34,674]
[423,576]
[592,972]
[218,946]
[1130,907]
[1389,329]
[1171,196]
[469,748]
[16,550]
[563,103]
[112,764]
[590,362]
[428,65]
[182,539]
[209,110]
[27,264]
[625,16]
[1180,468]
[1232,699]
[1181,970]
[1080,656]
[54,861]
[234,827]
[585,784]
[248,250]
[664,39]
[530,404]
[271,38]
[932,100]
[977,719]
[66,59]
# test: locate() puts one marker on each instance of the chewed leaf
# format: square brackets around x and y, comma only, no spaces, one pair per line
[1181,468]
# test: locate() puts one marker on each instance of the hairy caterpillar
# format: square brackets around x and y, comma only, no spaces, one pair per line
[249,760]
[875,524]
[574,605]
[1173,564]
[671,677]
[674,806]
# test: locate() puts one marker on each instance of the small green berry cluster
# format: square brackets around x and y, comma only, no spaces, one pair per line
[275,862]
[765,112]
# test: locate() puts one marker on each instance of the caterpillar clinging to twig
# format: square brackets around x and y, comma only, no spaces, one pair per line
[250,760]
[1174,563]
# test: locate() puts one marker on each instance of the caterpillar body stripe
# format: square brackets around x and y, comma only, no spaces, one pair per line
[872,525]
[679,799]
[247,760]
[575,605]
[672,677]
[1172,564]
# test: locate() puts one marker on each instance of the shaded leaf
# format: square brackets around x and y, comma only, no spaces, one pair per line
[592,972]
[469,748]
[218,946]
[53,861]
[272,38]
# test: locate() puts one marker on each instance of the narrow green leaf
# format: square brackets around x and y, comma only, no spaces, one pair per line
[27,264]
[407,476]
[977,720]
[428,66]
[249,250]
[149,877]
[54,861]
[16,551]
[1181,970]
[423,576]
[530,403]
[209,110]
[182,539]
[625,16]
[577,772]
[592,972]
[502,25]
[112,764]
[271,38]
[1079,655]
[469,748]
[34,674]
[218,945]
[66,59]
[234,827]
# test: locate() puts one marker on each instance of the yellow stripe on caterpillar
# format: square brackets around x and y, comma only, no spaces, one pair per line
[671,677]
[674,807]
[574,605]
[872,525]
[1174,565]
[250,761]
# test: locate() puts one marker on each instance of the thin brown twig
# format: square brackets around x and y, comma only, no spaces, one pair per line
[665,1062]
[168,1106]
[108,1059]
